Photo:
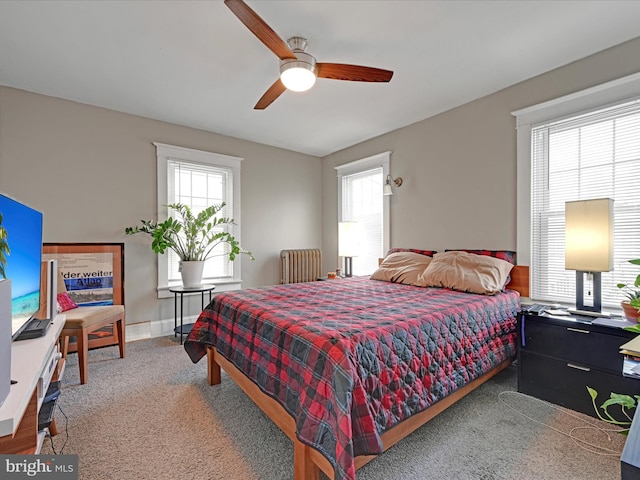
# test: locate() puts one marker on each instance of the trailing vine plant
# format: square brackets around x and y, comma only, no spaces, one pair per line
[626,402]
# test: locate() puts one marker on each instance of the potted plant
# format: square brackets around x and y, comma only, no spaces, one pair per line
[632,292]
[626,403]
[192,237]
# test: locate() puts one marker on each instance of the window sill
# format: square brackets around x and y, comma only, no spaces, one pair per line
[221,286]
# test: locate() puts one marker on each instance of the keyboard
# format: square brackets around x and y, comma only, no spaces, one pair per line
[34,329]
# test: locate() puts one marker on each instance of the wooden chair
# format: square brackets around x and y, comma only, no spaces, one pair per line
[82,321]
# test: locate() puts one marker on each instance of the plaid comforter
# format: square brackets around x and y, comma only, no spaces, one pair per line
[351,358]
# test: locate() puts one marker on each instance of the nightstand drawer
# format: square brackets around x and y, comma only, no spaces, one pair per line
[574,343]
[564,383]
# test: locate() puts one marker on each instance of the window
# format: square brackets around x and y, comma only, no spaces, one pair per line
[361,200]
[580,154]
[198,179]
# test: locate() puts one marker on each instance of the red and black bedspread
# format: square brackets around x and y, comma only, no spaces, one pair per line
[350,358]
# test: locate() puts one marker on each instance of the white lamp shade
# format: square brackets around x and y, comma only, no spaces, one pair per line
[348,239]
[589,235]
[386,189]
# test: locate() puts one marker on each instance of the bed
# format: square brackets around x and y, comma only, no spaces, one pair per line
[347,368]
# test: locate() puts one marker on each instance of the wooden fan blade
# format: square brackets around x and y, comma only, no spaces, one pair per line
[354,73]
[270,95]
[260,29]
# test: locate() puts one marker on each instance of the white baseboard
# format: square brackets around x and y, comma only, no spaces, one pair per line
[145,330]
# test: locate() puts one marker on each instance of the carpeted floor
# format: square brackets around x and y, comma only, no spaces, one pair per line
[153,416]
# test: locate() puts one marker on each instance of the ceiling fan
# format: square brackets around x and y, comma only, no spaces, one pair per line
[298,69]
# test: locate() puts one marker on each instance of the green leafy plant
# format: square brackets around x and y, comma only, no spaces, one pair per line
[191,237]
[632,292]
[4,248]
[626,403]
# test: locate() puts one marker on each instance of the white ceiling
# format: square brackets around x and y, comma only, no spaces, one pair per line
[193,63]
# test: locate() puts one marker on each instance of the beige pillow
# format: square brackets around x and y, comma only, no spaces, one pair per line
[402,267]
[466,272]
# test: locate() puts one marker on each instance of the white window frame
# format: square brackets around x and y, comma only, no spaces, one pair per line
[375,161]
[164,153]
[584,101]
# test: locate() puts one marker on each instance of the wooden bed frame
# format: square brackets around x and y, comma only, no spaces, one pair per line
[307,461]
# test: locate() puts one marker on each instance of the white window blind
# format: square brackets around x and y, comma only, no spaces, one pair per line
[592,155]
[362,202]
[200,186]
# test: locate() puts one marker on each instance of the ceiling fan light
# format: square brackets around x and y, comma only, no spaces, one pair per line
[298,75]
[296,78]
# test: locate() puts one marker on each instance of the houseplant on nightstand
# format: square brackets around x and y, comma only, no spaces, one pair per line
[632,292]
[192,237]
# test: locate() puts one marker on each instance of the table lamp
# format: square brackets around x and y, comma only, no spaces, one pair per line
[589,247]
[348,244]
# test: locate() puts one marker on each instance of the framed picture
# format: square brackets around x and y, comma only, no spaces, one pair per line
[93,274]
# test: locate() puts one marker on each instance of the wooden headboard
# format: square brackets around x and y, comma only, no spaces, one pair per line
[520,280]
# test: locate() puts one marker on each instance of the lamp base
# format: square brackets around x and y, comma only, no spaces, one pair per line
[348,266]
[588,313]
[597,292]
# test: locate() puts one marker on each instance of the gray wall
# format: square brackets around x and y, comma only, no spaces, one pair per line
[92,172]
[459,167]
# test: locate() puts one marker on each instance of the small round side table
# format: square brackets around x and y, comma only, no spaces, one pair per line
[185,329]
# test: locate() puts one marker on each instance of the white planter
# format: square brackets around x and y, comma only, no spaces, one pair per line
[191,273]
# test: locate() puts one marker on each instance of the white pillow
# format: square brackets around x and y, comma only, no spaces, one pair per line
[402,267]
[466,272]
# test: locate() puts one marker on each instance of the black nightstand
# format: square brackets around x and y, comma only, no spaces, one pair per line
[558,357]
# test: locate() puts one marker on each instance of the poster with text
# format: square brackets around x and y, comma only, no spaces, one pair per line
[88,277]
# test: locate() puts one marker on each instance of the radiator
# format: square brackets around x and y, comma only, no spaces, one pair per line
[302,265]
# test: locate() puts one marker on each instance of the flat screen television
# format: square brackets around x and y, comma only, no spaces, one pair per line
[20,258]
